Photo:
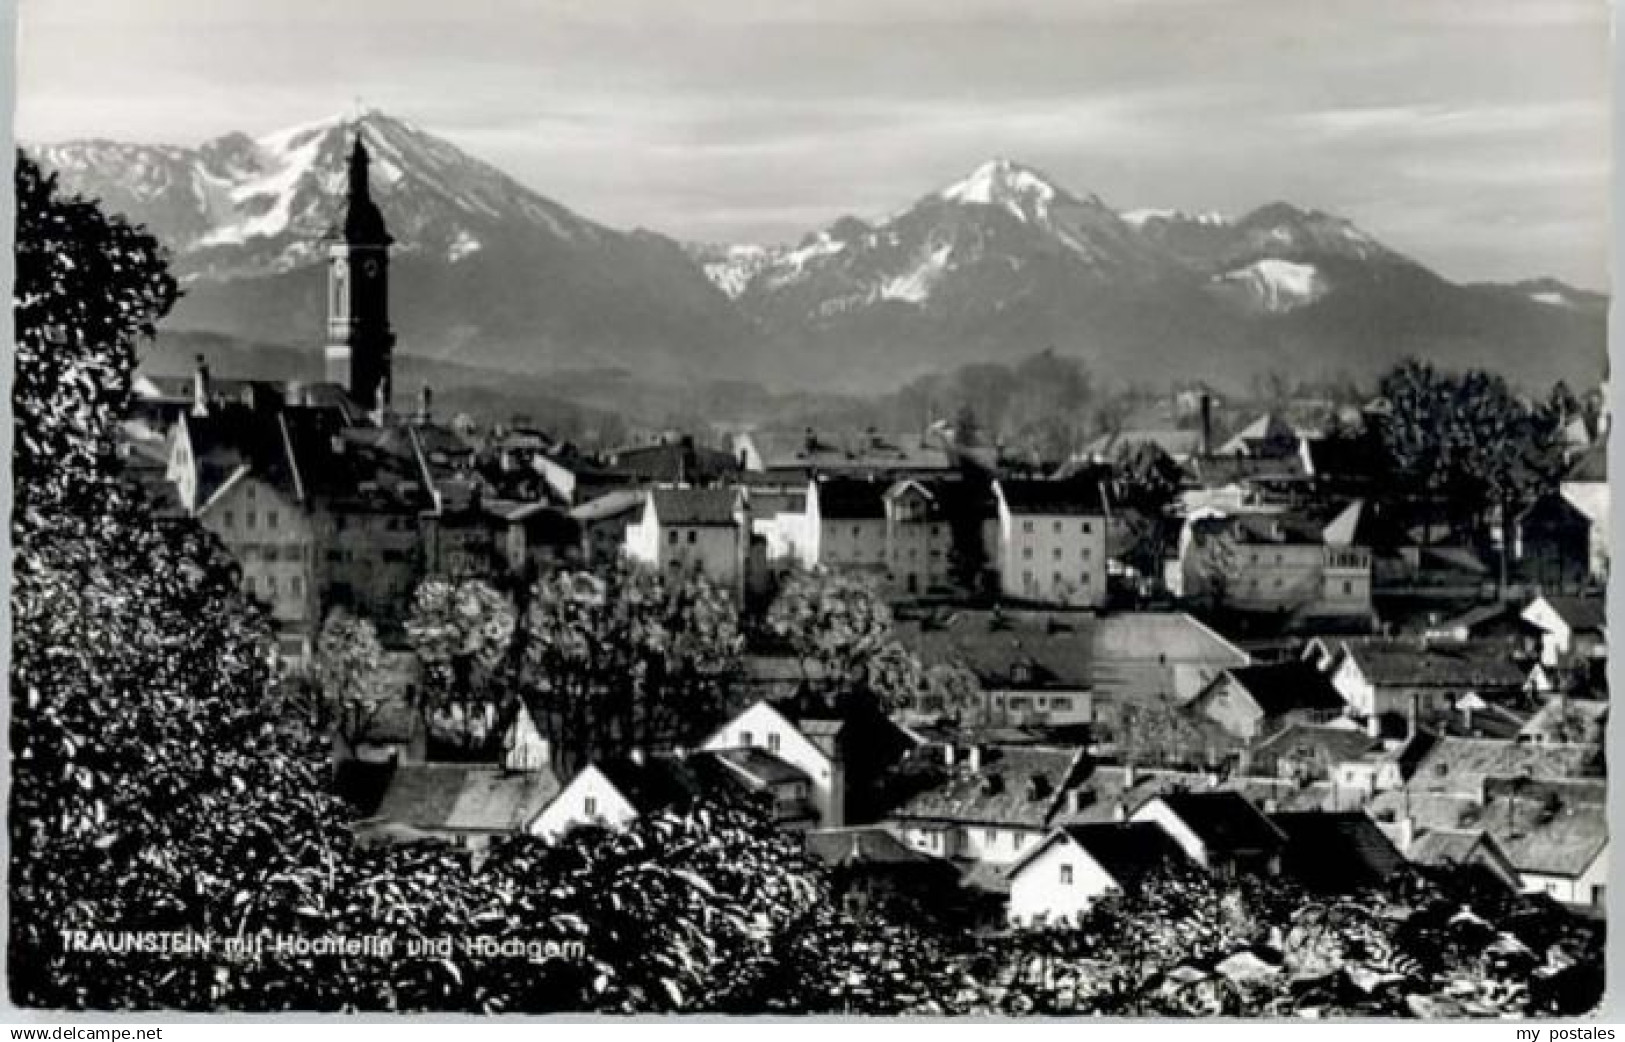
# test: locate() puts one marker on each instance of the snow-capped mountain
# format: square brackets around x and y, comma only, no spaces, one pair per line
[1006,260]
[1000,262]
[487,270]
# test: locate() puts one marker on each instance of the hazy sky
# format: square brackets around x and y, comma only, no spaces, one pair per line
[1472,134]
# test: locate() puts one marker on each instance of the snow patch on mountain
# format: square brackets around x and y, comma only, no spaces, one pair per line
[1276,285]
[915,286]
[461,246]
[1139,218]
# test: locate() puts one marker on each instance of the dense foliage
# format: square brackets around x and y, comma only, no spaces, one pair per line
[156,792]
[627,661]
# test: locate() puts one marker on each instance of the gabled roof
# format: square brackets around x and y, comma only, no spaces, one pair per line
[1553,508]
[1279,688]
[760,767]
[1440,847]
[1466,665]
[465,797]
[1336,851]
[851,499]
[1335,744]
[1070,498]
[1225,822]
[699,507]
[1022,657]
[1177,444]
[1128,851]
[865,844]
[1580,614]
[655,784]
[1001,792]
[1268,429]
[1461,765]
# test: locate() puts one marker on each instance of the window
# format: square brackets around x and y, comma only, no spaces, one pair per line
[746,738]
[230,519]
[1348,588]
[1026,553]
[1085,579]
[1086,553]
[1055,580]
[1057,528]
[1057,553]
[590,806]
[270,584]
[296,586]
[269,552]
[671,537]
[855,531]
[1026,526]
[250,519]
[773,742]
[990,836]
[1066,875]
[270,519]
[692,536]
[1061,704]
[1088,527]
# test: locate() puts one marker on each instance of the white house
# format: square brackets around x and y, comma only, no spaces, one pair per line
[768,731]
[693,531]
[612,794]
[1052,541]
[1220,830]
[1076,865]
[1569,626]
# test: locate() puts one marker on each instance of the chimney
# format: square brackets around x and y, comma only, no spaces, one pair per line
[1120,811]
[1129,776]
[1206,444]
[1412,715]
[425,404]
[973,758]
[1074,800]
[948,754]
[200,388]
[637,755]
[1373,726]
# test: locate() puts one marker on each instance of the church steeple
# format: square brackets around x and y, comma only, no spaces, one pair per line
[360,343]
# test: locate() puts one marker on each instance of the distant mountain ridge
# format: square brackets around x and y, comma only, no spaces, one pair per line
[992,266]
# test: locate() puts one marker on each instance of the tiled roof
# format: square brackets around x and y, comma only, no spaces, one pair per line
[761,766]
[1581,614]
[1551,838]
[1408,663]
[611,504]
[1339,851]
[465,798]
[1129,851]
[1279,688]
[712,507]
[1074,498]
[1440,846]
[866,844]
[1224,821]
[1460,766]
[1001,792]
[1335,744]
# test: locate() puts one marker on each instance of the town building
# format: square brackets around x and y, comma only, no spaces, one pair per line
[687,532]
[1052,541]
[1058,880]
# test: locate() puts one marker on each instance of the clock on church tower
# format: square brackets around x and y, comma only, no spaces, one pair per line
[360,343]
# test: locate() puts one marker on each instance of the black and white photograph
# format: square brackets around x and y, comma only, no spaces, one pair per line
[857,508]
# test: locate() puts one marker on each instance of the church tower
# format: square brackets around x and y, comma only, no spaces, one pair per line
[359,341]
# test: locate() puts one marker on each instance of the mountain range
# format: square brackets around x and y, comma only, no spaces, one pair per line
[1003,262]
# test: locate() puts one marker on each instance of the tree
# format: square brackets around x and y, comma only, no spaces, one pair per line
[1467,444]
[462,631]
[840,630]
[345,698]
[627,661]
